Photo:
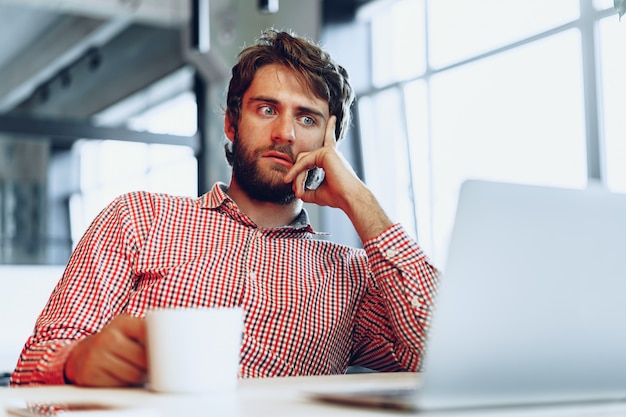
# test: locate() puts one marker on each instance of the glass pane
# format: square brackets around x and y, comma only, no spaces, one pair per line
[109,161]
[603,4]
[517,116]
[613,68]
[416,108]
[177,116]
[398,42]
[174,170]
[385,153]
[122,160]
[461,29]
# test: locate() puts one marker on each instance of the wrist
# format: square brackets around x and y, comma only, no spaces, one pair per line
[366,214]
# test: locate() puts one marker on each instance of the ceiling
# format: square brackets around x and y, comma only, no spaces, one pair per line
[69,62]
[74,58]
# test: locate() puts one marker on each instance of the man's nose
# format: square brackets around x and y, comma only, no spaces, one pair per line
[284,129]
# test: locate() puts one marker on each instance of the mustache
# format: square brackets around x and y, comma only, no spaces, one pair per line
[286,149]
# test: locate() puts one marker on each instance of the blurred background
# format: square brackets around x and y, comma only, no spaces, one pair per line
[100,97]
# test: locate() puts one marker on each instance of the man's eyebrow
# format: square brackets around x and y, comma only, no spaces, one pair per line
[301,109]
[263,99]
[304,109]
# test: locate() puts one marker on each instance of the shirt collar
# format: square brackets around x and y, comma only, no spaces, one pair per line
[217,198]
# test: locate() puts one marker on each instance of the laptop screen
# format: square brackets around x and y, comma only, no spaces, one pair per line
[532,300]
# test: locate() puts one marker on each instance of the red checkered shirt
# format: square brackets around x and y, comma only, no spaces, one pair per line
[311,306]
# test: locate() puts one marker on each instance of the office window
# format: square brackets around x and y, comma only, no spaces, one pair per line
[603,4]
[501,95]
[416,99]
[110,168]
[612,34]
[516,116]
[383,136]
[398,42]
[459,30]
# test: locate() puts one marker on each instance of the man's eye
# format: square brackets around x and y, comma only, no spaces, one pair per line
[309,121]
[268,111]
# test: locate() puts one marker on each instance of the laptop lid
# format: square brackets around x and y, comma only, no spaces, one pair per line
[532,303]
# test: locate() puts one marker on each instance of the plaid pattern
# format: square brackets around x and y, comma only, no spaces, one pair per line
[311,306]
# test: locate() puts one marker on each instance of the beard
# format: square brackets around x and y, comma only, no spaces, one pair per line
[261,186]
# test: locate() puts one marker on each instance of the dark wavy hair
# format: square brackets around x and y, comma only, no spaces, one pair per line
[314,66]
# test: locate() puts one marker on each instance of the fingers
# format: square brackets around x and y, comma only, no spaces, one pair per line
[114,357]
[128,348]
[123,369]
[133,328]
[329,137]
[110,371]
[307,160]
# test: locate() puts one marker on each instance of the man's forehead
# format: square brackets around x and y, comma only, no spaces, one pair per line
[274,80]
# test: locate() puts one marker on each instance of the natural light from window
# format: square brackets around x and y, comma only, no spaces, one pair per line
[510,107]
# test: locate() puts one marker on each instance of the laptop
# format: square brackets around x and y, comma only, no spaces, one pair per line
[532,303]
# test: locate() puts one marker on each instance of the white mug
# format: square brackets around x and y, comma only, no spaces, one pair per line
[193,350]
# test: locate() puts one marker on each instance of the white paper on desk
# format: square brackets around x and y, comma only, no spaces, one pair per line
[75,409]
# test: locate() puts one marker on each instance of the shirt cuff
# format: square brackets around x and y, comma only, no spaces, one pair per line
[392,249]
[55,358]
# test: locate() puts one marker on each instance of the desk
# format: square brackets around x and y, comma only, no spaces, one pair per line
[273,397]
[282,397]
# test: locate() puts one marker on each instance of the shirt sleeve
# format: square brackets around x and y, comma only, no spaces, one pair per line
[393,319]
[95,287]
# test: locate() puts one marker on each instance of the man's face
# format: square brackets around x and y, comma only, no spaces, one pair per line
[279,119]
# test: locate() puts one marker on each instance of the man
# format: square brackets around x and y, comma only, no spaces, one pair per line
[311,306]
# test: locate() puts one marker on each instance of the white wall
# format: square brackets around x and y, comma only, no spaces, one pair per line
[24,290]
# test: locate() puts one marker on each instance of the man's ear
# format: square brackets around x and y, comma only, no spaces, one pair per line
[229,129]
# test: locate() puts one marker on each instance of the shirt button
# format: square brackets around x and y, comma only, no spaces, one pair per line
[252,275]
[391,253]
[415,301]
